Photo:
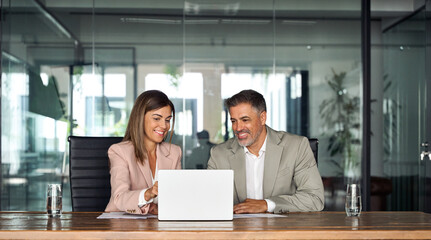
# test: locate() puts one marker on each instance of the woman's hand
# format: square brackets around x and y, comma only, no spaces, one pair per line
[154,209]
[152,192]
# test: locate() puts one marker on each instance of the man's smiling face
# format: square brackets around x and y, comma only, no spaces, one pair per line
[247,123]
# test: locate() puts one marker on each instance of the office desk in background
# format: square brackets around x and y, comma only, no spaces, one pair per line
[319,225]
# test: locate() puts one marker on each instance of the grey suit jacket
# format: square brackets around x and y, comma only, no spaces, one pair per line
[291,178]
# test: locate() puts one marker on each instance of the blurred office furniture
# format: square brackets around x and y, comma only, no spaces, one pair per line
[89,172]
[335,187]
[380,188]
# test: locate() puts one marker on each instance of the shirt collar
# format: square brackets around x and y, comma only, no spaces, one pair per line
[262,149]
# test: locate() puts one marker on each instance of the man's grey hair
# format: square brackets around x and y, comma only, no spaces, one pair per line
[249,96]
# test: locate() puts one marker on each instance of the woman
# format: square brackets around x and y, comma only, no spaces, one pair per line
[134,162]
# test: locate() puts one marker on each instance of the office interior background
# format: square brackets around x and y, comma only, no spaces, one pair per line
[75,67]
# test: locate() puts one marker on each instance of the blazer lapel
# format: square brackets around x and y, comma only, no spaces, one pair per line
[237,162]
[272,161]
[146,171]
[164,162]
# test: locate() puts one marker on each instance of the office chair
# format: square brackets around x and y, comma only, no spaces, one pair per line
[314,147]
[90,184]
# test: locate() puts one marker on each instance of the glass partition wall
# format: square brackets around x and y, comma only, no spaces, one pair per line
[403,106]
[401,90]
[76,67]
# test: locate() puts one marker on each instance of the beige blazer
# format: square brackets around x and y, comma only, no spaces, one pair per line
[128,178]
[290,179]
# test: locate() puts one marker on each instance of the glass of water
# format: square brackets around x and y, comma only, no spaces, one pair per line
[353,200]
[54,200]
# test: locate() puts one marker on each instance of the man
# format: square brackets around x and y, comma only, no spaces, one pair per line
[274,171]
[198,159]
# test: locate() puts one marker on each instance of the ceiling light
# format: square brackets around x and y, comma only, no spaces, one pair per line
[298,22]
[150,20]
[210,7]
[202,21]
[244,21]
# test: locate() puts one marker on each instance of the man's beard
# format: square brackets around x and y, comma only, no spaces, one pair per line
[248,141]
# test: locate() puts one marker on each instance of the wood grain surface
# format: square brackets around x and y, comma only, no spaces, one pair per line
[318,225]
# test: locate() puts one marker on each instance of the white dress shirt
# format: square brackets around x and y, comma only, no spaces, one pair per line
[254,166]
[142,201]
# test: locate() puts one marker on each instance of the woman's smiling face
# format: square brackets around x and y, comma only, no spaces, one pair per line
[157,124]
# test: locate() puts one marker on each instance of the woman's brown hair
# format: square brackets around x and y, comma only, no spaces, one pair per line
[147,101]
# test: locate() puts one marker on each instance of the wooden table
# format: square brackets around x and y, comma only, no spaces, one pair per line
[319,225]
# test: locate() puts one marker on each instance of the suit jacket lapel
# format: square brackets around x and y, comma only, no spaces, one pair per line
[237,162]
[164,162]
[146,171]
[272,161]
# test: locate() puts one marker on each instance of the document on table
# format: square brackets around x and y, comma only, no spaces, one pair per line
[118,215]
[124,215]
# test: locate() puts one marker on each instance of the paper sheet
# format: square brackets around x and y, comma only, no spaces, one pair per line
[117,215]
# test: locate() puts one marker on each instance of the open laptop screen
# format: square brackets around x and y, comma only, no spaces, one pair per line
[195,194]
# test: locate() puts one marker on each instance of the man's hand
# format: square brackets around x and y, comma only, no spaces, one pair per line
[251,206]
[152,192]
[154,209]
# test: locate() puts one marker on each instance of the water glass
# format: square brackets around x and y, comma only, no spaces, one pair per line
[54,200]
[353,200]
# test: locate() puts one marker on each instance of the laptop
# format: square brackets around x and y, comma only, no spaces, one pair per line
[195,195]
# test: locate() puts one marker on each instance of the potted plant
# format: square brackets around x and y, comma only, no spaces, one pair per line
[340,115]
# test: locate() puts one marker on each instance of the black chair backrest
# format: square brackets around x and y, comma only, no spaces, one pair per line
[314,146]
[89,172]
